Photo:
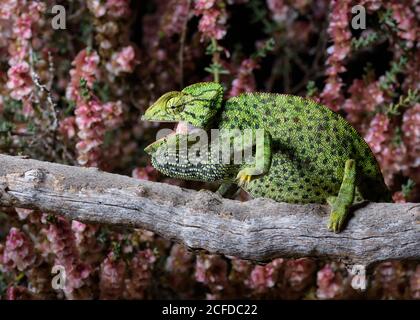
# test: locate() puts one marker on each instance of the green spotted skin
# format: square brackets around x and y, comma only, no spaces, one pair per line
[310,146]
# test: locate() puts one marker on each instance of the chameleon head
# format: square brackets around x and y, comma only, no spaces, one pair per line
[196,104]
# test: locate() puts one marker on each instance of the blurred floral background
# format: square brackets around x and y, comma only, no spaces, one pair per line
[75,96]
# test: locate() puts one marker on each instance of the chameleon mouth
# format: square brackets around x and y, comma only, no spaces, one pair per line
[182,127]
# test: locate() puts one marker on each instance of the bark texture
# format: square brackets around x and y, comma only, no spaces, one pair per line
[259,230]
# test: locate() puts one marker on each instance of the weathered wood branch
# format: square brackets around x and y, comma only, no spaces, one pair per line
[259,230]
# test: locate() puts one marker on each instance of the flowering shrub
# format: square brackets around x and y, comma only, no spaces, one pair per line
[75,96]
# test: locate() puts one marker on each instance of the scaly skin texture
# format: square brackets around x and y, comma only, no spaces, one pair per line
[316,155]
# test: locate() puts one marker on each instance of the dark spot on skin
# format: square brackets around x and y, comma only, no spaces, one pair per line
[321,127]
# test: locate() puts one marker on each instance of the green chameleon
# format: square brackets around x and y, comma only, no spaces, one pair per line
[310,154]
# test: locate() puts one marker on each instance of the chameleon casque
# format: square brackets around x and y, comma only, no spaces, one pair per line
[311,154]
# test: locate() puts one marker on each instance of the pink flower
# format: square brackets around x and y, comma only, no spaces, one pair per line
[7,8]
[279,10]
[63,245]
[23,213]
[112,272]
[19,82]
[411,131]
[211,270]
[97,7]
[244,81]
[145,173]
[213,19]
[330,284]
[415,283]
[265,277]
[378,132]
[18,251]
[339,31]
[22,27]
[204,4]
[122,61]
[176,15]
[85,67]
[118,8]
[68,127]
[141,267]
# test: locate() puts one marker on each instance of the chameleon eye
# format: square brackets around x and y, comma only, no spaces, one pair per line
[172,104]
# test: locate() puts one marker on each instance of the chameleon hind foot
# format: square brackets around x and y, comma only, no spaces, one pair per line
[245,176]
[340,205]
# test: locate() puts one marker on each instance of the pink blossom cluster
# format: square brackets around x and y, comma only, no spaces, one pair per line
[18,251]
[212,23]
[180,266]
[112,8]
[177,14]
[140,277]
[279,10]
[408,23]
[63,245]
[92,117]
[265,277]
[211,270]
[331,283]
[112,277]
[86,67]
[338,30]
[122,61]
[145,173]
[245,80]
[364,99]
[411,138]
[23,17]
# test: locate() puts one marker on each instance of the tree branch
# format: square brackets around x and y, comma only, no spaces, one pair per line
[259,229]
